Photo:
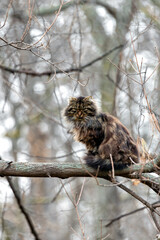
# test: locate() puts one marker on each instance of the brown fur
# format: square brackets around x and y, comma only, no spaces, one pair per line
[104,135]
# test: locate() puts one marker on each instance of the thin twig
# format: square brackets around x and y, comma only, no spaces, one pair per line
[51,25]
[113,173]
[76,208]
[48,73]
[75,204]
[23,210]
[131,97]
[143,88]
[155,220]
[129,213]
[80,194]
[2,218]
[143,201]
[30,13]
[7,12]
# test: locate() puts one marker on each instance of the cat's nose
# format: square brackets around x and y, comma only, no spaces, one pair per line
[79,114]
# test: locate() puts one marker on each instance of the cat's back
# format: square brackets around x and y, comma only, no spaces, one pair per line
[113,128]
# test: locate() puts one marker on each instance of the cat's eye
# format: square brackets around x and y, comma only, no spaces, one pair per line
[90,109]
[71,109]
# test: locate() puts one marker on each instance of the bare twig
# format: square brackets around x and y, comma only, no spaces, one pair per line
[57,194]
[155,220]
[23,210]
[129,213]
[143,88]
[7,12]
[2,218]
[50,72]
[80,194]
[143,201]
[53,157]
[30,11]
[51,10]
[131,97]
[30,102]
[51,25]
[113,174]
[75,204]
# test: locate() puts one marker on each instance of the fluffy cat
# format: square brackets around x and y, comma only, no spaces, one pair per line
[104,135]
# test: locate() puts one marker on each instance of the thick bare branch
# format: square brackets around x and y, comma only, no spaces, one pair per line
[66,170]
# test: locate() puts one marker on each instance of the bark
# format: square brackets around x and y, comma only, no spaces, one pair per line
[66,170]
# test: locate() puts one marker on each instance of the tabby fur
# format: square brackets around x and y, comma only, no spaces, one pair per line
[104,136]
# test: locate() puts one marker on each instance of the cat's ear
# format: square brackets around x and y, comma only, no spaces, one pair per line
[88,98]
[72,99]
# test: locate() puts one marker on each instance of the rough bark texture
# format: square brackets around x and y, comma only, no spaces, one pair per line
[66,170]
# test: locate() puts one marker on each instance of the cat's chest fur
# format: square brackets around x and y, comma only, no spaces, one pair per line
[89,132]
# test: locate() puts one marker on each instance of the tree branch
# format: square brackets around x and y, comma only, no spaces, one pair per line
[51,10]
[132,98]
[139,198]
[129,213]
[48,73]
[23,210]
[66,170]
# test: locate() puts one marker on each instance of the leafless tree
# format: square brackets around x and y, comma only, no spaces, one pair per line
[49,52]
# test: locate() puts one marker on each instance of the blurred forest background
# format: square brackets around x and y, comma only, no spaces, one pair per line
[53,50]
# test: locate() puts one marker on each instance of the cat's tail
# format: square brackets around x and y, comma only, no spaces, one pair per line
[96,162]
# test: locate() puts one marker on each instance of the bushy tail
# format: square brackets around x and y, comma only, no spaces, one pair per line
[96,162]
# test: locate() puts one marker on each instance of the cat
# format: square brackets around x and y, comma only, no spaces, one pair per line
[107,140]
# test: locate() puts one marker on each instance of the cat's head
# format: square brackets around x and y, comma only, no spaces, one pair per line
[80,109]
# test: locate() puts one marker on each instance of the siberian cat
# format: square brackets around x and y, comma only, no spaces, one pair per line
[104,135]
